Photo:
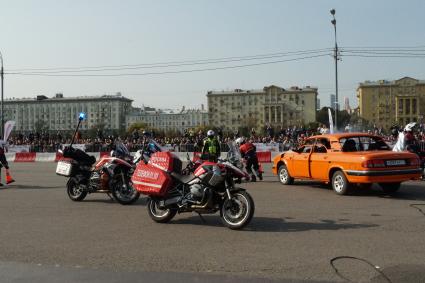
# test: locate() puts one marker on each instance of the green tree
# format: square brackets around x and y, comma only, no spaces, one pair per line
[137,126]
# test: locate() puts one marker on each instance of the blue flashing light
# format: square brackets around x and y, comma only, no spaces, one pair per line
[82,116]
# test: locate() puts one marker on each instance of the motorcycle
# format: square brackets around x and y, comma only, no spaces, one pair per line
[209,189]
[111,174]
[234,157]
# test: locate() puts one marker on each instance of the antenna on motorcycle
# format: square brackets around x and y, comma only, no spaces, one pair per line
[81,117]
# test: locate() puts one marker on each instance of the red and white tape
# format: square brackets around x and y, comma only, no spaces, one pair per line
[263,157]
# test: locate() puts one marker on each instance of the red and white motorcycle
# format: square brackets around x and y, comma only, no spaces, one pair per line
[209,189]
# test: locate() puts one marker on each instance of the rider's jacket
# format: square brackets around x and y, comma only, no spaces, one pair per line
[248,150]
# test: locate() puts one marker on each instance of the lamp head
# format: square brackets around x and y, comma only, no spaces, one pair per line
[333,12]
[82,116]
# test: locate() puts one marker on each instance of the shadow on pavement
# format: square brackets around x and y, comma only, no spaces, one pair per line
[140,201]
[269,224]
[409,191]
[30,187]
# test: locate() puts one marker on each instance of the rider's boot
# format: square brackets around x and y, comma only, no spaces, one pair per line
[253,178]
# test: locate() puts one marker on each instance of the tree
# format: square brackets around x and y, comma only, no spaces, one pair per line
[137,126]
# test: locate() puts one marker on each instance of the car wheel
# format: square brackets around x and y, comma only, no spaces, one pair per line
[284,176]
[340,184]
[390,188]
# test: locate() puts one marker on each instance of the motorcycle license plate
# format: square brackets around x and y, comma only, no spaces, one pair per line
[395,162]
[64,168]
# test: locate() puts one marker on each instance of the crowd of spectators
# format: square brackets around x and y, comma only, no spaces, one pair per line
[285,137]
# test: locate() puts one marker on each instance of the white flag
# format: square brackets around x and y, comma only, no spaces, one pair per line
[331,122]
[8,127]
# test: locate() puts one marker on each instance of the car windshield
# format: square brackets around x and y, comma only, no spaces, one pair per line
[362,143]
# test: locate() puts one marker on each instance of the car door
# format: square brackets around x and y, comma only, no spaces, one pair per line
[319,160]
[301,159]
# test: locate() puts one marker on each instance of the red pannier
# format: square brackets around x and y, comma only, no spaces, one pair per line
[166,161]
[150,180]
[154,178]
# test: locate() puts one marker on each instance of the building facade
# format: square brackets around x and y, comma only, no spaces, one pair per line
[333,102]
[273,105]
[167,119]
[61,113]
[385,103]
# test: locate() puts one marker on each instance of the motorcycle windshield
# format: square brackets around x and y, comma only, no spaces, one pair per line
[158,146]
[122,149]
[234,154]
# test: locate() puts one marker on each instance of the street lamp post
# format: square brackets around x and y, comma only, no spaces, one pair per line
[1,107]
[336,70]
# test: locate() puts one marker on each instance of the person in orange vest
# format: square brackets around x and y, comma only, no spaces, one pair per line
[249,153]
[5,164]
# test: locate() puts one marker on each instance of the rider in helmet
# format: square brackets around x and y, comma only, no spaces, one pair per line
[211,147]
[248,151]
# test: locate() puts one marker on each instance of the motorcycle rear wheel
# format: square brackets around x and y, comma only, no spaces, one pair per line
[75,190]
[160,215]
[124,194]
[237,212]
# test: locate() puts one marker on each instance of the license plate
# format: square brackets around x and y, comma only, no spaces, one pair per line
[63,168]
[395,162]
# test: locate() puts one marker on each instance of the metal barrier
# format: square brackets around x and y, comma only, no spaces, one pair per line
[134,147]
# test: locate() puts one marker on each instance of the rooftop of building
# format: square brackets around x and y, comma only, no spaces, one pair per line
[145,110]
[60,97]
[390,82]
[262,91]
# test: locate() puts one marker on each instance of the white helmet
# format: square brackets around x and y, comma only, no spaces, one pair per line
[210,133]
[409,127]
[240,140]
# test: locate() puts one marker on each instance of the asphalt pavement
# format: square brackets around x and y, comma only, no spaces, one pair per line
[296,231]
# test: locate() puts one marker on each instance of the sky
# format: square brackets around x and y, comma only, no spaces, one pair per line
[79,33]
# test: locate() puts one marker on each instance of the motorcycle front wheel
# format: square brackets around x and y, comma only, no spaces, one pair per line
[124,192]
[238,211]
[160,215]
[75,190]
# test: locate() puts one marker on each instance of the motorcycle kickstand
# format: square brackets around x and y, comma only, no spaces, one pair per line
[202,218]
[109,195]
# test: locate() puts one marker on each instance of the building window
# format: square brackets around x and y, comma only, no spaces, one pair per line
[400,106]
[414,106]
[407,106]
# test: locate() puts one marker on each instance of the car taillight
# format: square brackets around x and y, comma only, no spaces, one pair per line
[378,163]
[414,162]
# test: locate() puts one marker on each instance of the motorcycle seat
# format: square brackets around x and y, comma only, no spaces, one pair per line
[183,178]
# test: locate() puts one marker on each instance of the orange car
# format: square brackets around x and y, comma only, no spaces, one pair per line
[347,159]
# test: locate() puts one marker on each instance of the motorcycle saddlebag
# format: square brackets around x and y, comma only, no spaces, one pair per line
[150,180]
[166,161]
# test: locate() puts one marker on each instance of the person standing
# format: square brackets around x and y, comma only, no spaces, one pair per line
[5,164]
[249,153]
[211,147]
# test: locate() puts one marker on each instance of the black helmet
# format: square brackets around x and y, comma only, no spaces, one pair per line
[146,134]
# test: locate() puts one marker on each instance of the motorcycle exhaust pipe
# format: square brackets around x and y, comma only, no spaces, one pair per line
[171,201]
